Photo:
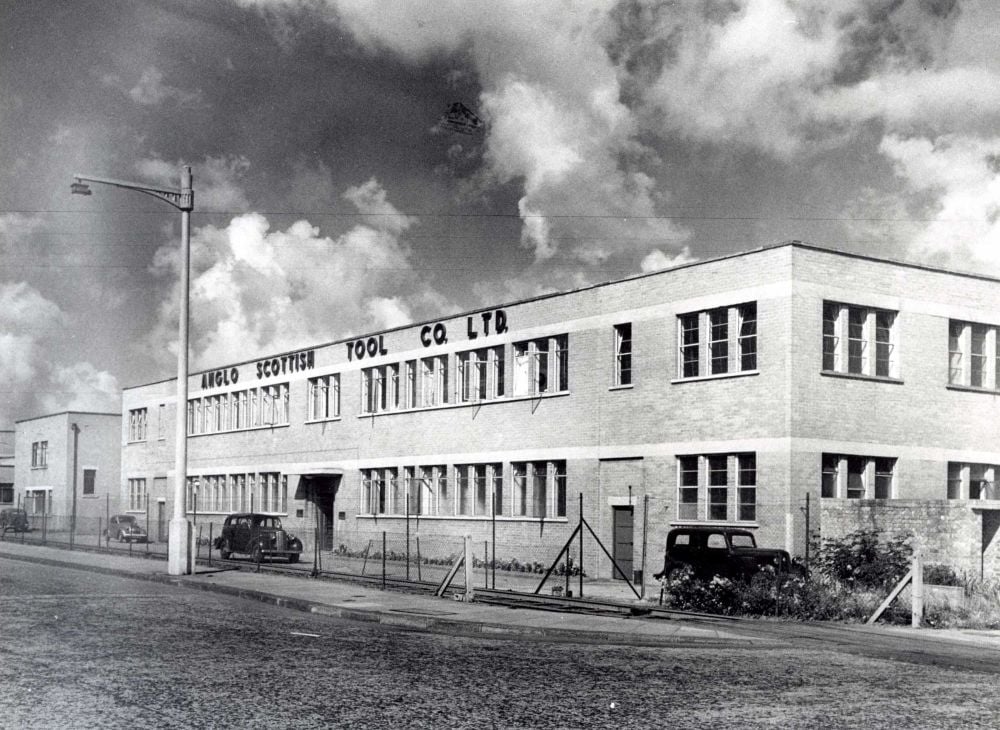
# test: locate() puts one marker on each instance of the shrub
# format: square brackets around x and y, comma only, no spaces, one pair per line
[863,560]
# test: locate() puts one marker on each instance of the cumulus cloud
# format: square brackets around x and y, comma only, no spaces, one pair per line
[657,260]
[576,96]
[150,89]
[255,289]
[32,379]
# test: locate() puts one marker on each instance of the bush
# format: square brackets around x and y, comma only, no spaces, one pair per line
[864,560]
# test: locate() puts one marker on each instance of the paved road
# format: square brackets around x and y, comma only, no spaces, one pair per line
[83,650]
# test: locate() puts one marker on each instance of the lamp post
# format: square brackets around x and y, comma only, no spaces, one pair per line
[179,551]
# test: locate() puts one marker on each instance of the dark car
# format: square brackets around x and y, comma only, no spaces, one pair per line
[15,520]
[724,551]
[126,528]
[258,536]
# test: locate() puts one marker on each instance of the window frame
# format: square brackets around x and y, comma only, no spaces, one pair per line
[623,356]
[718,342]
[872,343]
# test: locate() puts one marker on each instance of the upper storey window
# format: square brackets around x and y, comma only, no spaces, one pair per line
[623,354]
[860,340]
[541,366]
[973,355]
[137,422]
[324,397]
[480,374]
[717,341]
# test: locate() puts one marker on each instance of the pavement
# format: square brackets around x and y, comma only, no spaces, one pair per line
[362,602]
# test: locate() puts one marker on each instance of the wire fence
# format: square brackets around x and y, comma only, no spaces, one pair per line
[622,542]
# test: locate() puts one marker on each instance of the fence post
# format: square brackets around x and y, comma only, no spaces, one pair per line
[147,523]
[468,568]
[580,594]
[493,528]
[407,533]
[419,576]
[210,526]
[98,535]
[808,532]
[917,590]
[383,560]
[486,563]
[45,525]
[645,527]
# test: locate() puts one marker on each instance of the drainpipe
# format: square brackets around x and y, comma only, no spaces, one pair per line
[76,442]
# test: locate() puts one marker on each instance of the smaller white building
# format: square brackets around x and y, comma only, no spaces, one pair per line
[68,457]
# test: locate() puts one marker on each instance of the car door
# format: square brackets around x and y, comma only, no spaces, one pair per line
[241,535]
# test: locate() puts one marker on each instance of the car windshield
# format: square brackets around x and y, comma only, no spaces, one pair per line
[126,520]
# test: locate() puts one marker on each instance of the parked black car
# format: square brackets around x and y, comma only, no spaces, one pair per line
[126,528]
[258,536]
[724,551]
[15,520]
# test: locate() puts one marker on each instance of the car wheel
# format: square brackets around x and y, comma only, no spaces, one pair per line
[224,551]
[293,557]
[257,555]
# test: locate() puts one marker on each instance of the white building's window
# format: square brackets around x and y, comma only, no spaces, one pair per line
[973,481]
[161,430]
[707,489]
[539,488]
[89,481]
[137,419]
[974,355]
[137,495]
[857,477]
[380,490]
[623,354]
[541,366]
[324,397]
[411,397]
[480,374]
[40,454]
[729,336]
[274,405]
[871,340]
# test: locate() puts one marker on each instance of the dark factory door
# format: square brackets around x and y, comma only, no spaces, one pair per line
[622,538]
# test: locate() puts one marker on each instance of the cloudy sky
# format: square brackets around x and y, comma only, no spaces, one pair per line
[330,201]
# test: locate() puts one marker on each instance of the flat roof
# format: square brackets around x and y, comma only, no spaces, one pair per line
[633,277]
[67,413]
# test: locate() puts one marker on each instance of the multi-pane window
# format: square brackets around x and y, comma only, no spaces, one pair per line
[273,492]
[264,492]
[718,487]
[89,480]
[324,397]
[422,486]
[380,488]
[871,339]
[687,491]
[747,487]
[6,493]
[433,381]
[729,336]
[136,495]
[40,453]
[480,374]
[705,487]
[539,488]
[264,406]
[857,477]
[623,354]
[541,366]
[137,418]
[380,389]
[475,485]
[973,481]
[974,355]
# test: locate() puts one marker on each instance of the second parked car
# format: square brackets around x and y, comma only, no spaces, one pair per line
[724,551]
[126,528]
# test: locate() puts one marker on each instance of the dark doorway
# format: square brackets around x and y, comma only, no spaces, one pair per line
[161,521]
[622,539]
[323,493]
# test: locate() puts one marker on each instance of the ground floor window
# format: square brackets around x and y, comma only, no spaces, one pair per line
[6,494]
[848,476]
[38,501]
[972,481]
[475,487]
[539,488]
[228,493]
[717,487]
[137,495]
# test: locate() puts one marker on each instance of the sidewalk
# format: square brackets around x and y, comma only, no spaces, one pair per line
[359,602]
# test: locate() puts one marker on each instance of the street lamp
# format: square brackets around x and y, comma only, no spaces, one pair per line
[179,546]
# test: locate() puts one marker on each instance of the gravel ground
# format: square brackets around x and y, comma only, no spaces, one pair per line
[82,650]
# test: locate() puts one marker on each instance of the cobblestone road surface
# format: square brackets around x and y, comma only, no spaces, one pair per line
[82,650]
